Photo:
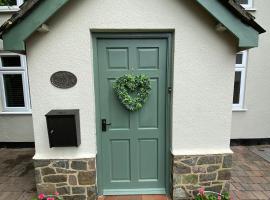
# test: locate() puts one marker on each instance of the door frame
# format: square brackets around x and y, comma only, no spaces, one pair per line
[168,35]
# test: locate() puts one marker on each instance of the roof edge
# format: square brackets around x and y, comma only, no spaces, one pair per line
[247,35]
[22,24]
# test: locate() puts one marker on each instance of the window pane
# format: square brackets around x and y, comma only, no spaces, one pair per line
[8,2]
[239,58]
[242,1]
[14,90]
[237,86]
[11,61]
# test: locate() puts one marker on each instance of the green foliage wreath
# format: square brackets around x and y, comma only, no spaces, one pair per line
[132,90]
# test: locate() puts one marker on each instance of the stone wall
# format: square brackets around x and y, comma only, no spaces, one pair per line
[211,172]
[73,179]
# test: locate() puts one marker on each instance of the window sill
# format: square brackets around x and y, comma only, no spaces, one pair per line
[239,109]
[15,9]
[16,113]
[250,9]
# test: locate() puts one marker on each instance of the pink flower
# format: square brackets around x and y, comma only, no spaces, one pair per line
[56,193]
[41,196]
[50,198]
[219,196]
[201,191]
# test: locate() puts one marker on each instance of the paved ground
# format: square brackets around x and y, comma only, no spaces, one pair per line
[16,174]
[250,175]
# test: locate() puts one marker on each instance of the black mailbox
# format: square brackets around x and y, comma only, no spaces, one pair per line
[63,128]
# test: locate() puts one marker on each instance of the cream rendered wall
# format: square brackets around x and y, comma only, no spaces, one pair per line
[14,128]
[203,71]
[254,123]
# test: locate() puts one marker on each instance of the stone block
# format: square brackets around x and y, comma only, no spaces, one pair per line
[47,171]
[224,174]
[206,160]
[87,178]
[207,177]
[177,179]
[41,163]
[61,164]
[216,188]
[46,188]
[92,164]
[78,190]
[190,162]
[226,187]
[219,159]
[55,178]
[180,194]
[190,179]
[72,180]
[180,168]
[78,165]
[38,176]
[63,190]
[91,193]
[198,169]
[213,168]
[227,161]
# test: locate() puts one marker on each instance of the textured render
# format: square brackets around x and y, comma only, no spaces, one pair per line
[254,123]
[73,179]
[190,173]
[203,71]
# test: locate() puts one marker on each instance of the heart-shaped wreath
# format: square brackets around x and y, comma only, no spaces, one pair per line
[138,86]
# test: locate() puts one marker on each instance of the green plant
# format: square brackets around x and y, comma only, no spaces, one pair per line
[130,85]
[8,2]
[208,195]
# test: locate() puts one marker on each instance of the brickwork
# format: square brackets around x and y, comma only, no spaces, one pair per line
[73,179]
[212,172]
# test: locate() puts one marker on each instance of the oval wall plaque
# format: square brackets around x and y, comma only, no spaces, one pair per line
[63,79]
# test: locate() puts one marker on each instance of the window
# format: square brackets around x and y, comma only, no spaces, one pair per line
[14,83]
[247,4]
[10,5]
[239,80]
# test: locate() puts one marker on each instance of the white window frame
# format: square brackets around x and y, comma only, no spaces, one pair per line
[12,8]
[241,68]
[248,5]
[15,70]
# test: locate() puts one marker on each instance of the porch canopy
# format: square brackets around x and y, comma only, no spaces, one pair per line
[34,13]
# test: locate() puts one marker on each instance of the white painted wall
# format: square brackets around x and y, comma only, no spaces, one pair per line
[14,128]
[203,71]
[254,123]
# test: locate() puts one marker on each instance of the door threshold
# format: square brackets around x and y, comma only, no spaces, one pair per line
[134,191]
[136,197]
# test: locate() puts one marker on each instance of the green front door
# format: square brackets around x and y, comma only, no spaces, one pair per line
[133,148]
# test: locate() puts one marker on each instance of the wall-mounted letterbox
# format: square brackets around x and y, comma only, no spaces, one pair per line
[63,128]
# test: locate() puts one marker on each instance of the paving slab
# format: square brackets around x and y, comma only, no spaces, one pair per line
[17,181]
[250,173]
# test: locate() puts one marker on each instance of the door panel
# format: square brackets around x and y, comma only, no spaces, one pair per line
[148,164]
[151,106]
[133,147]
[120,166]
